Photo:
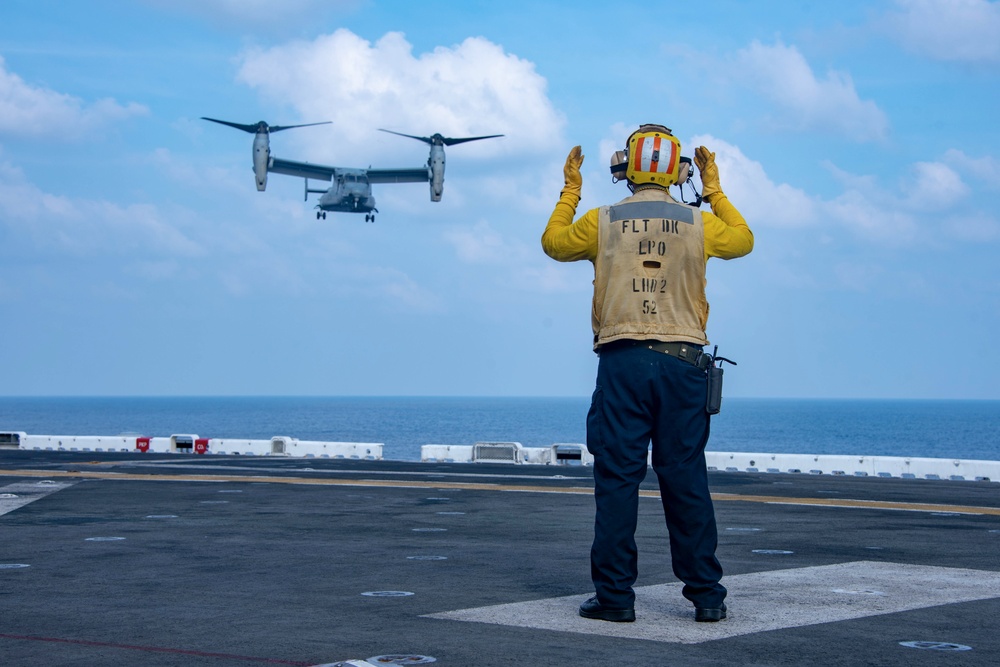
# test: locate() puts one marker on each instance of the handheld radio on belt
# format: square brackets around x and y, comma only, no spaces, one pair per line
[713,402]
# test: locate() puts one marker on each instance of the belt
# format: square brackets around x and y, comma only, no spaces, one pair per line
[692,354]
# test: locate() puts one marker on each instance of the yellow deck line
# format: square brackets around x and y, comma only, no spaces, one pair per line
[864,504]
[482,486]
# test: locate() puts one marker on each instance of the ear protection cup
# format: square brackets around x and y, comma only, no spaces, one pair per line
[619,165]
[684,173]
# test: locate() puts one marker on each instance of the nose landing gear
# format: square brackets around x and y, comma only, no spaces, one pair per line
[321,215]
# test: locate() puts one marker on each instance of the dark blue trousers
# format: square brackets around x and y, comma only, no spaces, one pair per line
[645,396]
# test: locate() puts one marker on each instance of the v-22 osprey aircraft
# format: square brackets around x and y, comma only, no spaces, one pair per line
[351,189]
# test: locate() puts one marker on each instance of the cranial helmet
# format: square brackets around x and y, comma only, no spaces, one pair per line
[652,155]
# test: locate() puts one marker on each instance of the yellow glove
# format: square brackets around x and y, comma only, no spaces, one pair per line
[709,172]
[571,171]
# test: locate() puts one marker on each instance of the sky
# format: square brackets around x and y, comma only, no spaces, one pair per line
[858,139]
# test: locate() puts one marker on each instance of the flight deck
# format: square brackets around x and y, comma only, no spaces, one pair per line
[177,559]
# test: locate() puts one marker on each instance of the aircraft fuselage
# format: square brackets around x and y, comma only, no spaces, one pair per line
[350,193]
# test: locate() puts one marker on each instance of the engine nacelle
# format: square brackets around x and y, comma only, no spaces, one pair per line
[261,156]
[436,165]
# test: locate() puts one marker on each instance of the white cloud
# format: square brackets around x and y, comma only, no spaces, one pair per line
[805,102]
[951,30]
[873,215]
[751,190]
[865,207]
[895,217]
[518,265]
[553,277]
[618,134]
[402,290]
[471,89]
[256,250]
[27,110]
[479,245]
[85,227]
[936,184]
[986,169]
[976,227]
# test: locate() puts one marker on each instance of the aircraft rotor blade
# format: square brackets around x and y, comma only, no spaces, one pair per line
[426,140]
[438,140]
[254,128]
[279,128]
[447,141]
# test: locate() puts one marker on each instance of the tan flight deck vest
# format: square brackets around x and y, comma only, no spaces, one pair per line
[649,275]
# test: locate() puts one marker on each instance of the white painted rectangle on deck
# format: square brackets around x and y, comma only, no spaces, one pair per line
[758,602]
[15,496]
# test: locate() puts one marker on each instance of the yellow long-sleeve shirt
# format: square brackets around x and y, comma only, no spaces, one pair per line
[727,235]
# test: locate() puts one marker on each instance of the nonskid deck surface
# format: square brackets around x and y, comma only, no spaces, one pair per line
[185,560]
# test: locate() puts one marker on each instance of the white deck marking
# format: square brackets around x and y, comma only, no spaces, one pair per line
[758,602]
[14,496]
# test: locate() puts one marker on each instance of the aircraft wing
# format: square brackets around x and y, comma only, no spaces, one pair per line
[301,169]
[416,175]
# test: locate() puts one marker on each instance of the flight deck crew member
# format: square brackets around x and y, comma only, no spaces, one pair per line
[649,317]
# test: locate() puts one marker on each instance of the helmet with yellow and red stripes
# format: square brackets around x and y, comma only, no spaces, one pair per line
[652,155]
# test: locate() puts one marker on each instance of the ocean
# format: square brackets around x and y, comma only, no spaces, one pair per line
[926,428]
